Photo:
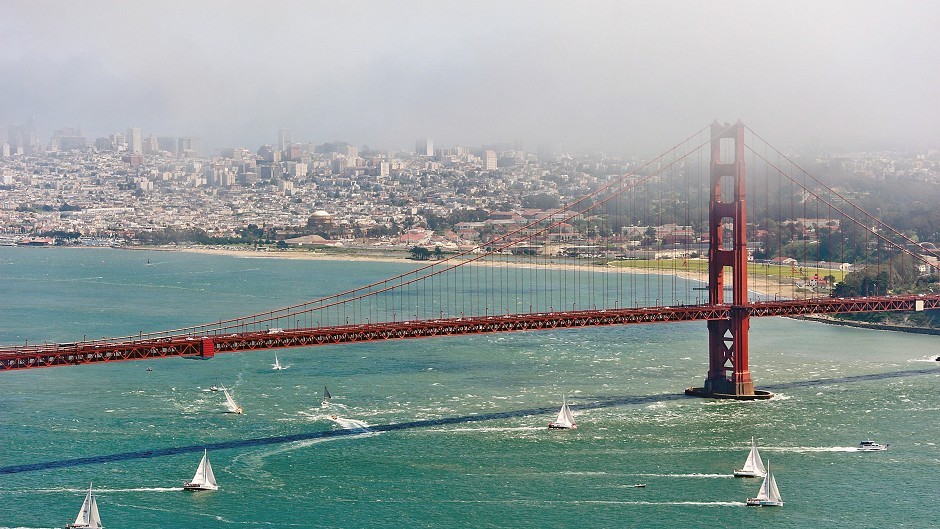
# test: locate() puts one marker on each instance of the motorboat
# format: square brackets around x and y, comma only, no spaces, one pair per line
[871,446]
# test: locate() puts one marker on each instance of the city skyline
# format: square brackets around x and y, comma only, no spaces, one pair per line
[620,77]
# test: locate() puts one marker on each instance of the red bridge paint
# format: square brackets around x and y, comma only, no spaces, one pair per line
[206,346]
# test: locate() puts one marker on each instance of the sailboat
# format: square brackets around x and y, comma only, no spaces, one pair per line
[753,467]
[204,478]
[88,517]
[768,495]
[230,403]
[277,365]
[565,420]
[326,396]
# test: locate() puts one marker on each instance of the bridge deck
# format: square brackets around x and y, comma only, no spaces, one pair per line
[50,355]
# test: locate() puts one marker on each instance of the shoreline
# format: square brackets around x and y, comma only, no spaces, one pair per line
[756,286]
[829,320]
[699,277]
[387,256]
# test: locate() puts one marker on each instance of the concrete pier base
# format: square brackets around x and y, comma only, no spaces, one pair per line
[758,394]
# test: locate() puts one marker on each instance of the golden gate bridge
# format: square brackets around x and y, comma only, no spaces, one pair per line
[583,265]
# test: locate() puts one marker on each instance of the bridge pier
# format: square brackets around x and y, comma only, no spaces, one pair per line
[208,348]
[728,375]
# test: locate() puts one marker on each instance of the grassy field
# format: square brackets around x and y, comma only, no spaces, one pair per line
[700,266]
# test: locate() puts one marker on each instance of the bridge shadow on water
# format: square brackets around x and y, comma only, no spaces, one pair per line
[595,403]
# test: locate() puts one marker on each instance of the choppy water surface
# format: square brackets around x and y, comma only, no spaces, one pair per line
[446,432]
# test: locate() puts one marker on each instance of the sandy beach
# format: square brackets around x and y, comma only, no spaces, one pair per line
[760,285]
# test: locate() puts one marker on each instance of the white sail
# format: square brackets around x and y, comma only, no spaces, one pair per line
[230,403]
[565,419]
[82,517]
[276,365]
[84,512]
[204,477]
[200,475]
[768,494]
[773,493]
[94,519]
[754,463]
[762,494]
[88,516]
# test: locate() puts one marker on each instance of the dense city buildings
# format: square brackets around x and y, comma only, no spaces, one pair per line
[132,189]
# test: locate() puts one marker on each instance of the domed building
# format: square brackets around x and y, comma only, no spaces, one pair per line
[320,219]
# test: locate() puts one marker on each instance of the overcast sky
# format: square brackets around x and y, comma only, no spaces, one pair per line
[621,76]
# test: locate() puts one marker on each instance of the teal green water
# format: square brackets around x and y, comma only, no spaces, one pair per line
[473,450]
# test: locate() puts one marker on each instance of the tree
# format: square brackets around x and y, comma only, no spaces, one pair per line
[540,201]
[438,253]
[419,253]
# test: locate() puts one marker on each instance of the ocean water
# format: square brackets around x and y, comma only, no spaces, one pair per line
[445,432]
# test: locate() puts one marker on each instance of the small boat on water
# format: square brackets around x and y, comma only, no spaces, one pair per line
[277,365]
[871,446]
[753,466]
[326,397]
[213,388]
[88,517]
[639,486]
[230,403]
[768,495]
[565,420]
[204,478]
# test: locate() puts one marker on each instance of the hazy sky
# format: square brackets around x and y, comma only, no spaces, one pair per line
[622,76]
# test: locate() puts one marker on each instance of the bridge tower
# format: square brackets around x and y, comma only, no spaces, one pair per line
[728,374]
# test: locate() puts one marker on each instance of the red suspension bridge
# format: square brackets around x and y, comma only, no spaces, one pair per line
[656,242]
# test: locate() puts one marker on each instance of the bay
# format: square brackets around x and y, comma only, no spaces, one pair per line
[443,432]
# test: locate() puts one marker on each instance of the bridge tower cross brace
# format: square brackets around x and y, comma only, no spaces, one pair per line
[728,373]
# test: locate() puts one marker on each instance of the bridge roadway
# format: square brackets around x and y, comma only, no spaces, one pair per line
[51,355]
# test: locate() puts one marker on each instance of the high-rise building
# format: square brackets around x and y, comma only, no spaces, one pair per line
[489,160]
[352,155]
[189,146]
[545,150]
[150,145]
[424,147]
[135,141]
[22,139]
[118,142]
[68,139]
[268,154]
[168,144]
[284,139]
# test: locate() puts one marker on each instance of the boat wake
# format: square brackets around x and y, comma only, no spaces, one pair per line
[351,424]
[694,475]
[697,503]
[490,429]
[359,428]
[931,358]
[809,449]
[97,490]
